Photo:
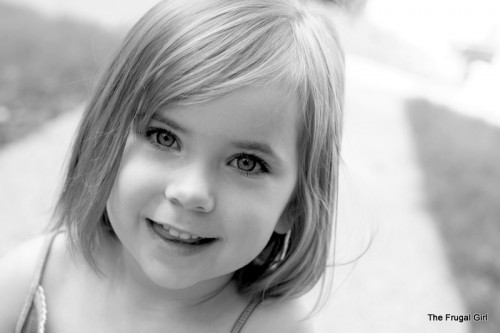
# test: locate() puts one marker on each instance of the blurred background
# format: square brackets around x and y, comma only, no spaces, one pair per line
[419,216]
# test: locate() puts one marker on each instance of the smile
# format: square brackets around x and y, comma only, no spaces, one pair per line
[180,234]
[170,234]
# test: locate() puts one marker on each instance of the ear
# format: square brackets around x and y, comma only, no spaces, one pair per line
[284,224]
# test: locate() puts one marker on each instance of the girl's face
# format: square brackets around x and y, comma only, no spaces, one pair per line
[199,194]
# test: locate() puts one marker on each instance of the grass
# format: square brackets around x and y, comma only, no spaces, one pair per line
[460,159]
[47,66]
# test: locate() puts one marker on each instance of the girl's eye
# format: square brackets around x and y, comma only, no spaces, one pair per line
[162,138]
[249,164]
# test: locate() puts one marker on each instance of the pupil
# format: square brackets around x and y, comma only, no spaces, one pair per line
[246,164]
[165,139]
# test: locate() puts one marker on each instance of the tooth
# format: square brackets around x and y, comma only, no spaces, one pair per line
[165,227]
[184,236]
[173,232]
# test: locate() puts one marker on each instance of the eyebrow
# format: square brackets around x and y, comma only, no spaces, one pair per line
[169,122]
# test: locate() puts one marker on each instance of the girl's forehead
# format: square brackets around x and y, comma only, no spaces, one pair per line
[253,101]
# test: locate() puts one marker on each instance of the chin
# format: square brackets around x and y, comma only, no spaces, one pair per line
[171,279]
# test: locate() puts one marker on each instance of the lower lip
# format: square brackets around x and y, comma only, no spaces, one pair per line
[175,247]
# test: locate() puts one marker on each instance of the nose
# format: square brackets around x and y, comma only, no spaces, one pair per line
[191,189]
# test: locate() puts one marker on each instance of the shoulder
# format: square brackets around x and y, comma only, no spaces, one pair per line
[16,272]
[291,316]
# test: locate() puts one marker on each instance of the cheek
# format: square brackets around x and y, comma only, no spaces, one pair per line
[134,186]
[248,233]
[251,217]
[262,205]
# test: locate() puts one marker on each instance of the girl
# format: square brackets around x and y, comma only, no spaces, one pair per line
[201,191]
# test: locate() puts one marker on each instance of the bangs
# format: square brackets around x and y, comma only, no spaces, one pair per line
[193,55]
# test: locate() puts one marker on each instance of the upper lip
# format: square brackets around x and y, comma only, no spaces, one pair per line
[180,230]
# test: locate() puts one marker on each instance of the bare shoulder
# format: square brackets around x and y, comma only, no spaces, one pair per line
[292,316]
[17,268]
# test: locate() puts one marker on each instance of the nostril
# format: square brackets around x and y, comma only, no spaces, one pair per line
[204,209]
[175,201]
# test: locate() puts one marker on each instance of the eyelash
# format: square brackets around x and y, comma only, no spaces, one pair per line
[264,167]
[152,131]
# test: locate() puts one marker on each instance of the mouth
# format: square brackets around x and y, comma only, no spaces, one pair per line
[182,238]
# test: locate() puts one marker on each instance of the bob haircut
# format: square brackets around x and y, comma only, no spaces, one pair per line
[189,52]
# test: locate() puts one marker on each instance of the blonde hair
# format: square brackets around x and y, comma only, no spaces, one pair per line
[194,51]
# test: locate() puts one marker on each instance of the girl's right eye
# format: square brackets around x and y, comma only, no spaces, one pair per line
[162,138]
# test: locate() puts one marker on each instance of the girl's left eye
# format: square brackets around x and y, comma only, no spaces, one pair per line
[162,138]
[249,164]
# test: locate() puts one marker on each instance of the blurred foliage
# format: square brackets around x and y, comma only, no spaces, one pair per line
[46,67]
[460,159]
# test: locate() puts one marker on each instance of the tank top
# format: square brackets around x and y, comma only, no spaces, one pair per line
[33,316]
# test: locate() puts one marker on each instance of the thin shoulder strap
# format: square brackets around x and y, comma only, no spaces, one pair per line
[35,282]
[242,319]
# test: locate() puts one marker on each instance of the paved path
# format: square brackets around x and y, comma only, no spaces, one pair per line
[30,173]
